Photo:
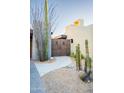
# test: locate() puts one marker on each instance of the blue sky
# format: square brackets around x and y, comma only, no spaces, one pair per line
[70,10]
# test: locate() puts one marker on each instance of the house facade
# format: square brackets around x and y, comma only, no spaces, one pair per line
[78,33]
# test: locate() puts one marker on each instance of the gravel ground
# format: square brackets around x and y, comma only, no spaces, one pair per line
[65,80]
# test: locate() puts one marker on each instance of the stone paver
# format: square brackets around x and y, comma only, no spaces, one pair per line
[44,68]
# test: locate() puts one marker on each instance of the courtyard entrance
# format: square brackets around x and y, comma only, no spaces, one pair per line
[61,47]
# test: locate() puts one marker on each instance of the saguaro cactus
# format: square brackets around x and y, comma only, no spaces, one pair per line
[46,29]
[78,57]
[88,73]
[87,59]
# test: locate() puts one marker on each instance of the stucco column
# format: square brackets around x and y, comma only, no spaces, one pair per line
[34,49]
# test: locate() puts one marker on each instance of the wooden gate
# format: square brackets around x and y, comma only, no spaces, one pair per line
[60,47]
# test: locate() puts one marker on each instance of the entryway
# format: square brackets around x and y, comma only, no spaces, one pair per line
[61,47]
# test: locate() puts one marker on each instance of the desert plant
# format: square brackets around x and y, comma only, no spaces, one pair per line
[43,25]
[78,57]
[37,30]
[88,64]
[50,20]
[46,29]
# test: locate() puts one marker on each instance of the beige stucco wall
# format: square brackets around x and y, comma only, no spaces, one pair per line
[79,33]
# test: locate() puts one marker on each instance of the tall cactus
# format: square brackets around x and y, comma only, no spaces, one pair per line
[88,73]
[78,57]
[87,59]
[43,25]
[46,29]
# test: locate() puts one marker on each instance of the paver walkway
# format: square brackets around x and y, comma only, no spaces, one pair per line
[60,62]
[35,81]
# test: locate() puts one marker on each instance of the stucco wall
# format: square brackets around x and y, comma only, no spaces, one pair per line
[80,33]
[34,50]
